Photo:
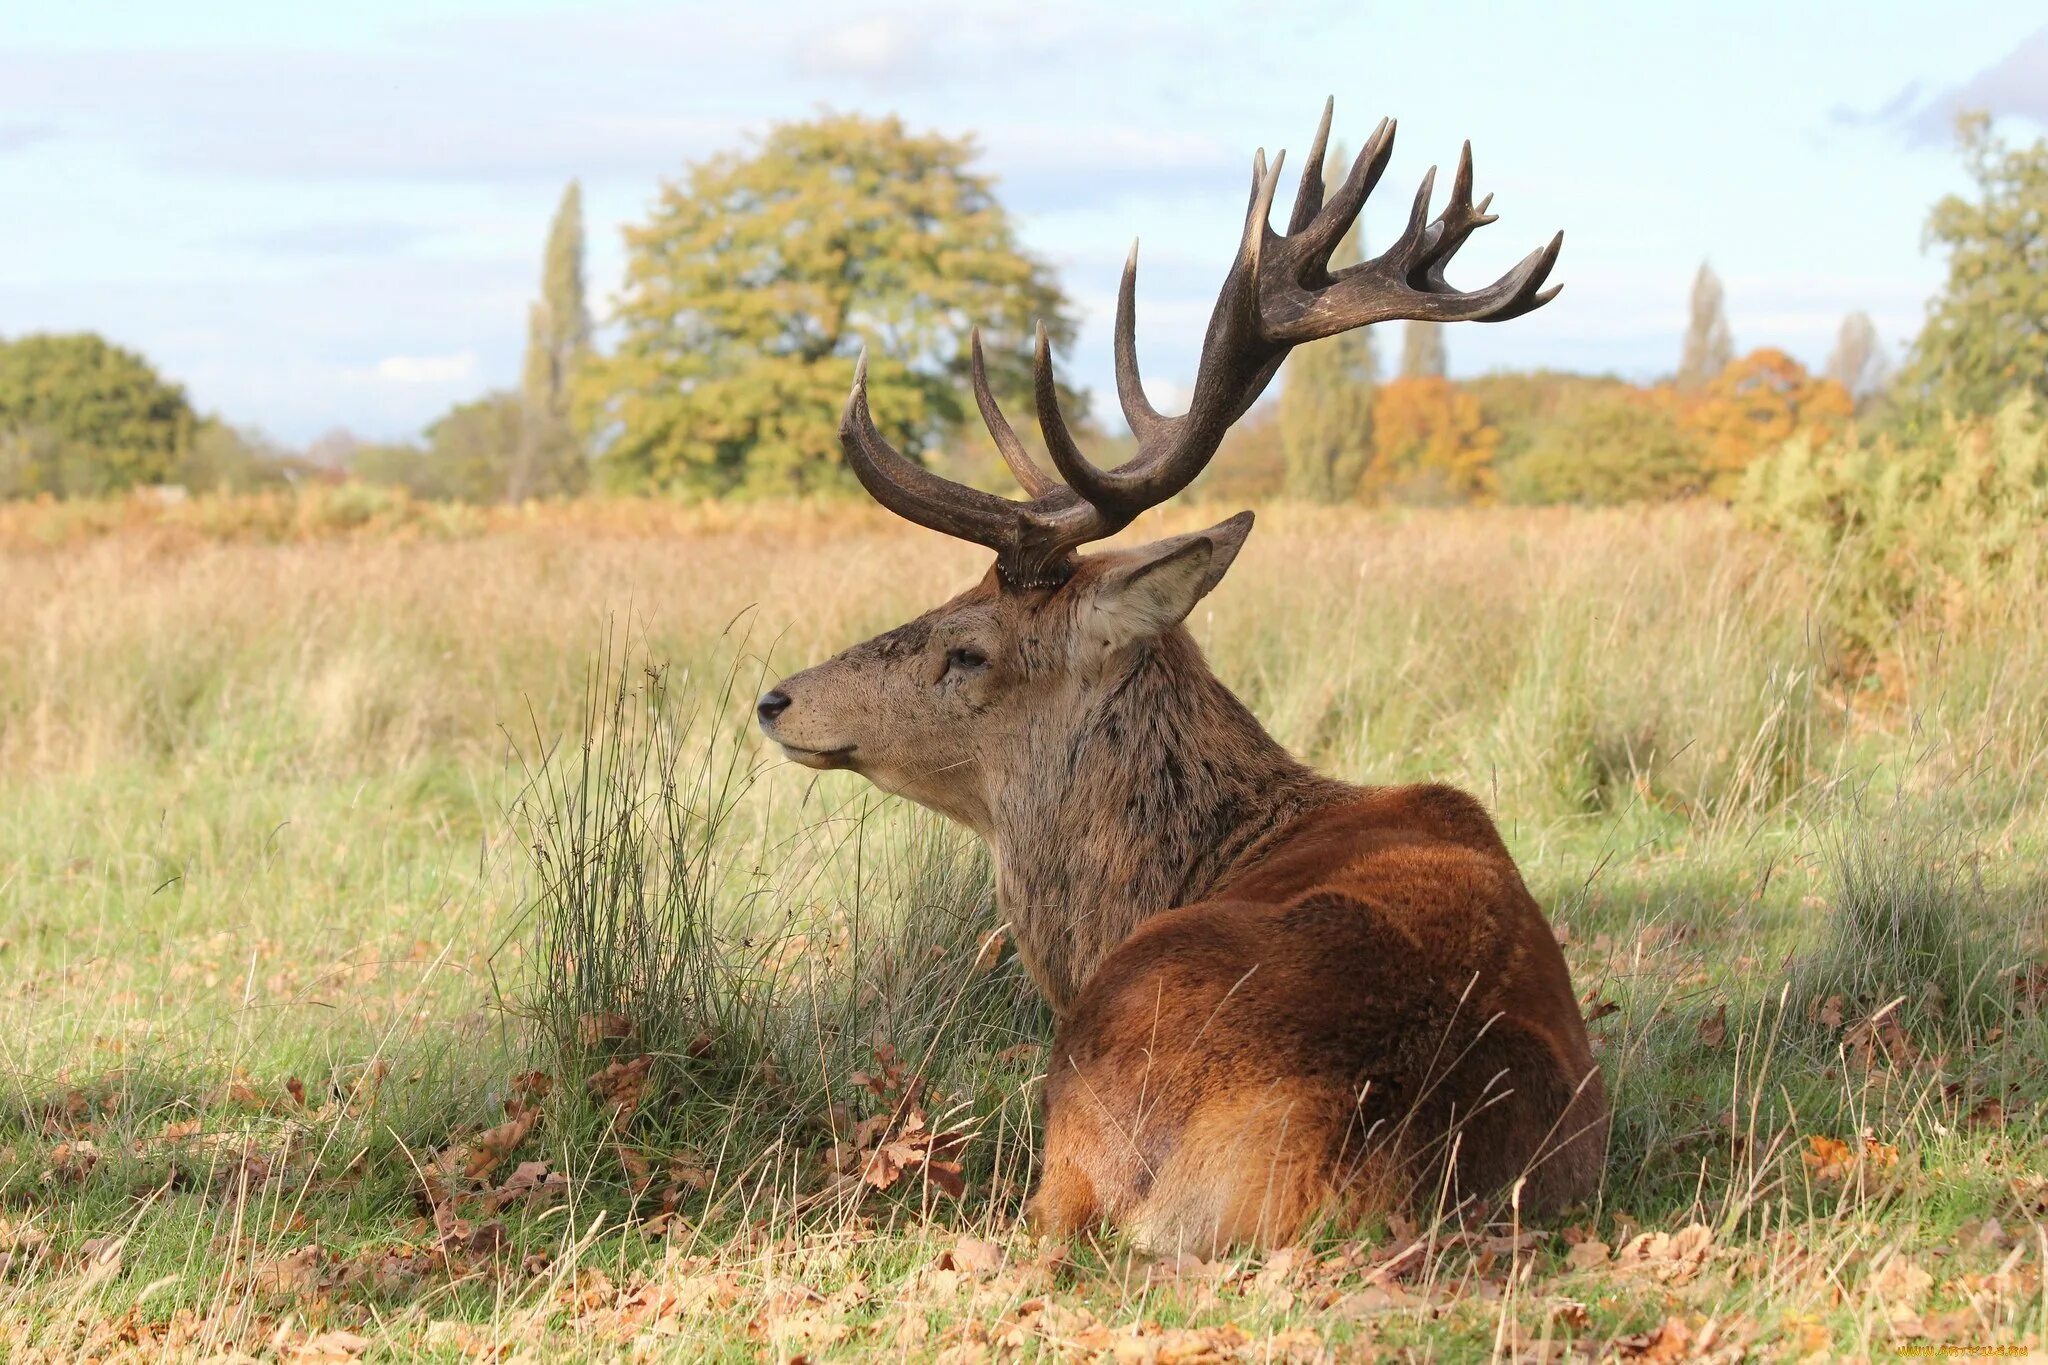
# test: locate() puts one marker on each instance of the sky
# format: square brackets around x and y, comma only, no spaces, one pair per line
[321,216]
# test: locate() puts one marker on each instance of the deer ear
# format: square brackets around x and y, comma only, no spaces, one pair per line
[1150,590]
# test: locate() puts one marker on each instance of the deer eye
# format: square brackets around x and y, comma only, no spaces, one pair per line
[966,658]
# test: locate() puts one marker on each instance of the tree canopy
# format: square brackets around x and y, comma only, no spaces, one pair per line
[79,415]
[1986,334]
[759,277]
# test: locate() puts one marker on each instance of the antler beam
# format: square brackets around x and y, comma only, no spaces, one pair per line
[1280,292]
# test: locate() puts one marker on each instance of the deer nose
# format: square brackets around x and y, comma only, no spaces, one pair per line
[771,705]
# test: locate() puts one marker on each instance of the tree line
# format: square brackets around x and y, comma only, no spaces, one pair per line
[759,274]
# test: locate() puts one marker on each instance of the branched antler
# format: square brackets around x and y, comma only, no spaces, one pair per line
[1280,292]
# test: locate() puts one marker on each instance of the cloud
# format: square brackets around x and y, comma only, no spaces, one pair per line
[880,49]
[458,368]
[2016,85]
[361,237]
[16,136]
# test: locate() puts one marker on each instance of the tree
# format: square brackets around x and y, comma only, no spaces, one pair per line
[1422,350]
[1858,362]
[468,455]
[759,277]
[1759,402]
[1602,446]
[1708,344]
[80,416]
[549,457]
[1431,444]
[1986,335]
[1325,409]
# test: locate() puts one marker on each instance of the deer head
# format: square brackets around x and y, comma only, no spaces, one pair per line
[979,707]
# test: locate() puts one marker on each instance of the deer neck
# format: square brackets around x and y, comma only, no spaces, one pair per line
[1137,801]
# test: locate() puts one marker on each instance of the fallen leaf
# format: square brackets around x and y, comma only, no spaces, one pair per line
[1671,1257]
[1901,1282]
[972,1255]
[620,1085]
[1587,1254]
[1713,1030]
[329,1347]
[489,1148]
[606,1027]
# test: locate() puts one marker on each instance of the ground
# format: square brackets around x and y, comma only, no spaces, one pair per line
[410,952]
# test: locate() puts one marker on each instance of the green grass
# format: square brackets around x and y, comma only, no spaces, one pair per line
[313,855]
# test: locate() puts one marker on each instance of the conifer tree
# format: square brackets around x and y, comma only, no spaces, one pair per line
[1422,350]
[1326,398]
[1709,346]
[550,459]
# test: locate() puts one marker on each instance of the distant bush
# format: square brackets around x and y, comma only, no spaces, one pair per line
[1944,520]
[1601,447]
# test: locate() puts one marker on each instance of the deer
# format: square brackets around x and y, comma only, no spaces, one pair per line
[1280,999]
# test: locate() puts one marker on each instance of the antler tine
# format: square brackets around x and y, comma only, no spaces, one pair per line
[1319,237]
[912,491]
[1030,477]
[1139,414]
[1308,198]
[1084,478]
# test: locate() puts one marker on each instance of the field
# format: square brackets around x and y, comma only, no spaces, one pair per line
[409,949]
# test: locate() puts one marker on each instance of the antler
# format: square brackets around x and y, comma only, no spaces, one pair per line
[1280,292]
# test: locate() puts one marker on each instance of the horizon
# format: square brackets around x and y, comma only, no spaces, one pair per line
[320,221]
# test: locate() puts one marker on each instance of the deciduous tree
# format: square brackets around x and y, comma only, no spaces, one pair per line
[1431,444]
[1759,402]
[759,277]
[79,415]
[1986,335]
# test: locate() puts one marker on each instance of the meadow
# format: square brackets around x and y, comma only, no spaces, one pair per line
[411,951]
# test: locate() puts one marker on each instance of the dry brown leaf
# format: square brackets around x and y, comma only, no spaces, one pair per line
[607,1027]
[488,1149]
[1828,1159]
[329,1348]
[621,1085]
[1587,1255]
[1901,1282]
[1670,1344]
[1672,1257]
[1713,1030]
[972,1256]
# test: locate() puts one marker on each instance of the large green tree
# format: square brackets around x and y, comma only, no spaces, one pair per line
[1326,395]
[81,416]
[759,277]
[549,458]
[1986,335]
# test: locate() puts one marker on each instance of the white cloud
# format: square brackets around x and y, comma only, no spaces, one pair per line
[457,368]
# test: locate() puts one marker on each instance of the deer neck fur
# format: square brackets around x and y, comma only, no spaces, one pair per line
[1137,801]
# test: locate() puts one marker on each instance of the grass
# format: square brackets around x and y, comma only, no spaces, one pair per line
[410,950]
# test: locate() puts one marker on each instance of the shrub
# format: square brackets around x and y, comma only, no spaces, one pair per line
[1940,523]
[1604,447]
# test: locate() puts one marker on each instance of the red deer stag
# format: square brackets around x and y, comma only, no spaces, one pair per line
[1280,997]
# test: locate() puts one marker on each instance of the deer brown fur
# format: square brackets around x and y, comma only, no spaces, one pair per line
[1280,997]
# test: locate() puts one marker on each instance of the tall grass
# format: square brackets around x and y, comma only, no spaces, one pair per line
[314,803]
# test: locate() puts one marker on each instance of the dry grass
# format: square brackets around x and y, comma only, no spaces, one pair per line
[271,775]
